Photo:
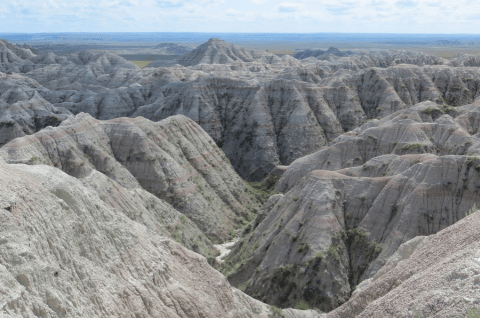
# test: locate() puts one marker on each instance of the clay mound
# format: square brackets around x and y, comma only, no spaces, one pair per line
[23,111]
[465,60]
[65,253]
[78,71]
[363,59]
[331,231]
[258,127]
[316,53]
[425,128]
[261,110]
[216,51]
[434,276]
[173,49]
[173,159]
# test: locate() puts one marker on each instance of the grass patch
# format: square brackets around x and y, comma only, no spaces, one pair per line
[141,64]
[333,253]
[259,191]
[472,209]
[302,305]
[443,109]
[275,312]
[473,313]
[243,286]
[412,146]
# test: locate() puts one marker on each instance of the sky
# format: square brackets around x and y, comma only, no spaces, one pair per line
[295,16]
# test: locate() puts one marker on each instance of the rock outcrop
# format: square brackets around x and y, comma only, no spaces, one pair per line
[65,252]
[316,53]
[216,51]
[434,276]
[347,208]
[331,230]
[173,49]
[262,110]
[424,128]
[173,159]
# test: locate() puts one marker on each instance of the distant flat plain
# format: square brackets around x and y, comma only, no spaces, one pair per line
[140,47]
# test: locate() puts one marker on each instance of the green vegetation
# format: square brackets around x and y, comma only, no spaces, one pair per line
[472,209]
[443,109]
[302,305]
[411,146]
[243,286]
[260,191]
[333,253]
[141,64]
[302,247]
[319,255]
[360,236]
[33,159]
[275,312]
[473,313]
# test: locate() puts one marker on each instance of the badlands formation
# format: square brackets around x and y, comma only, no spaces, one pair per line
[118,181]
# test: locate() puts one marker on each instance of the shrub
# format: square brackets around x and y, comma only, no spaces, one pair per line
[472,209]
[302,247]
[302,305]
[275,312]
[412,146]
[333,253]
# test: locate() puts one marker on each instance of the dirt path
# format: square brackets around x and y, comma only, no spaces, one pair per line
[224,250]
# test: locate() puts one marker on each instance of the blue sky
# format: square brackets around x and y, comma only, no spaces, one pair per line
[364,16]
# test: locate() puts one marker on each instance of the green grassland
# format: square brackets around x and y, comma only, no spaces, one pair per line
[141,64]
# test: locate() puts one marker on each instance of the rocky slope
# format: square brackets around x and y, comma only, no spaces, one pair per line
[174,159]
[65,252]
[317,53]
[424,128]
[23,110]
[382,151]
[434,276]
[173,49]
[262,110]
[216,51]
[389,181]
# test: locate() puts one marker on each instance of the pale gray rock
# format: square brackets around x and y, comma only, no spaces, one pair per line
[173,159]
[67,253]
[216,51]
[173,49]
[23,110]
[436,278]
[316,53]
[425,128]
[262,110]
[465,60]
[331,231]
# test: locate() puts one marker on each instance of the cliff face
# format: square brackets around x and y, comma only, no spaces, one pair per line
[67,252]
[262,110]
[174,159]
[382,151]
[434,276]
[347,208]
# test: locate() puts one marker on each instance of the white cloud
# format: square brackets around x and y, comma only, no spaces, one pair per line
[400,16]
[289,7]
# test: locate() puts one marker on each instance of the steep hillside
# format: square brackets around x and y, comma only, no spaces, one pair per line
[65,252]
[216,51]
[173,159]
[434,276]
[262,110]
[389,181]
